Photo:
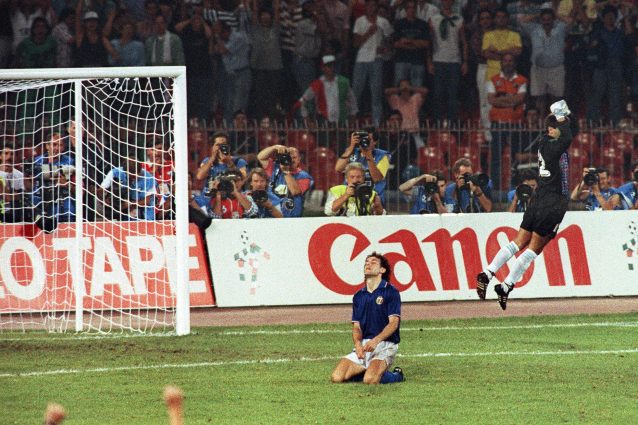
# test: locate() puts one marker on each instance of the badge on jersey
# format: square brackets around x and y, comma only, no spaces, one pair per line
[379,300]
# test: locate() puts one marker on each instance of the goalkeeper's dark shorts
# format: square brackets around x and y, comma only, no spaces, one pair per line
[545,213]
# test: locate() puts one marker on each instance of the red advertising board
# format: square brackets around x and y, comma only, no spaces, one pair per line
[126,265]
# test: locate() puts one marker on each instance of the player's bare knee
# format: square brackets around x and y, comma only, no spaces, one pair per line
[371,379]
[337,377]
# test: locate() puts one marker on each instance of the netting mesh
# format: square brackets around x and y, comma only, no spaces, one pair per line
[96,210]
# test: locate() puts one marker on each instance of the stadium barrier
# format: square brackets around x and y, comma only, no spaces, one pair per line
[128,271]
[434,257]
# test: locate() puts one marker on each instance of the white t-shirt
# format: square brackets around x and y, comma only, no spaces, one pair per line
[368,50]
[15,179]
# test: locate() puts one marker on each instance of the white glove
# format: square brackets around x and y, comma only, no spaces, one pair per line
[560,109]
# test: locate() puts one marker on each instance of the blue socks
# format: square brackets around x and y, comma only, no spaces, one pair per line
[391,377]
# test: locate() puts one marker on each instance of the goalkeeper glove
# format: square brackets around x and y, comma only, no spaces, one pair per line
[560,109]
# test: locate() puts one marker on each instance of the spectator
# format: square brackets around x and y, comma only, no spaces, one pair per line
[163,48]
[330,96]
[219,162]
[449,61]
[227,200]
[6,34]
[39,49]
[287,179]
[145,27]
[506,92]
[290,15]
[402,146]
[265,59]
[425,10]
[521,11]
[527,186]
[307,45]
[197,39]
[426,193]
[129,190]
[12,185]
[412,39]
[468,193]
[159,165]
[408,100]
[476,56]
[268,204]
[242,136]
[605,54]
[91,47]
[596,192]
[338,19]
[52,187]
[64,38]
[128,51]
[629,191]
[355,198]
[499,42]
[105,9]
[369,33]
[234,48]
[375,162]
[548,57]
[23,13]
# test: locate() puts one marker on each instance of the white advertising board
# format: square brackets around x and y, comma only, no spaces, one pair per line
[434,257]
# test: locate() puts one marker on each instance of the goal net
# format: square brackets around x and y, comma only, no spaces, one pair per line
[93,169]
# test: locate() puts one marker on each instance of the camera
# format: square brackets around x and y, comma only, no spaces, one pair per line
[224,148]
[478,179]
[284,158]
[364,139]
[524,192]
[430,188]
[363,191]
[591,178]
[259,196]
[225,186]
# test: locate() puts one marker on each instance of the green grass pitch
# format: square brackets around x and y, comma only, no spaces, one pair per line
[540,370]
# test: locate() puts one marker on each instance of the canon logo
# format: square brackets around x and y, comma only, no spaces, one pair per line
[322,240]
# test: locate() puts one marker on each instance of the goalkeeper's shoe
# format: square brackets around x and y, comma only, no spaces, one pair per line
[399,371]
[482,281]
[503,291]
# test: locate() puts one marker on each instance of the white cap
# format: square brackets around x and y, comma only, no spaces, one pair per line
[328,59]
[91,15]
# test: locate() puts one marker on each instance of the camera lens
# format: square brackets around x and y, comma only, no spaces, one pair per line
[225,149]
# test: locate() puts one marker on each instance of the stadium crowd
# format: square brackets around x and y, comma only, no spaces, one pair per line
[408,98]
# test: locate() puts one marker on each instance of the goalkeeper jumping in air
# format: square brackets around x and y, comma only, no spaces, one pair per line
[546,208]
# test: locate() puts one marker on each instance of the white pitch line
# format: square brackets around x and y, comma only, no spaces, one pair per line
[309,359]
[337,331]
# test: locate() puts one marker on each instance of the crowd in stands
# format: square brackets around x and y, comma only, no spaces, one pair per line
[343,97]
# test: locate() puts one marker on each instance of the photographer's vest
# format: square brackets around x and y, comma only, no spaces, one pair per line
[291,206]
[351,207]
[382,161]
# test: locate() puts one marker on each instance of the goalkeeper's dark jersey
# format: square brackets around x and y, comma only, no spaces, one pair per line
[553,162]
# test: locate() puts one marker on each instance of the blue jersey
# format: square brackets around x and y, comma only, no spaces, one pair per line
[629,194]
[291,206]
[592,204]
[138,189]
[64,210]
[460,199]
[373,310]
[422,202]
[220,168]
[378,155]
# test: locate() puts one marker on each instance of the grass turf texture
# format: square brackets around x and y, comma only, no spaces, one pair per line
[478,371]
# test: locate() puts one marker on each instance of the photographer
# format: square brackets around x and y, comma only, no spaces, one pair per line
[227,201]
[518,198]
[355,198]
[426,192]
[629,191]
[128,191]
[219,162]
[268,204]
[287,180]
[53,183]
[469,193]
[375,162]
[595,190]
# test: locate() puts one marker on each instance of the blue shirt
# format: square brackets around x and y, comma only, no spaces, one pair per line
[461,201]
[592,204]
[65,211]
[220,168]
[290,206]
[547,51]
[138,190]
[238,56]
[422,203]
[629,193]
[131,53]
[378,155]
[373,310]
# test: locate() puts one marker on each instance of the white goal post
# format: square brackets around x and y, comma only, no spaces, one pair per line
[95,234]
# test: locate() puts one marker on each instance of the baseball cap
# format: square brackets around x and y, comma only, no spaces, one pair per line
[325,60]
[90,15]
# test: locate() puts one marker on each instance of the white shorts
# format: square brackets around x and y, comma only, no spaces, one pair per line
[547,81]
[385,351]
